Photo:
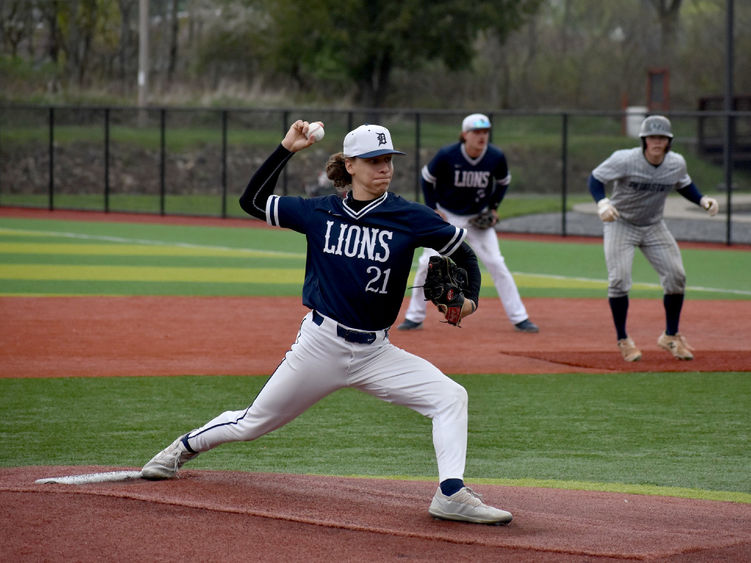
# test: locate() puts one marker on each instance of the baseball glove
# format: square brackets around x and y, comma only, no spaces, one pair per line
[484,220]
[444,286]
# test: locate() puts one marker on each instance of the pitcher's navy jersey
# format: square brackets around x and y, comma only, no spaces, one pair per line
[357,257]
[465,185]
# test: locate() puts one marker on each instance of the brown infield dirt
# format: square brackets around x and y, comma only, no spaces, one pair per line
[233,516]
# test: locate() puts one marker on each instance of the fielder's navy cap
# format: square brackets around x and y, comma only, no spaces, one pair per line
[368,141]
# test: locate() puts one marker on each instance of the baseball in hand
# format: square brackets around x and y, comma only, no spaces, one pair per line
[316,131]
[710,204]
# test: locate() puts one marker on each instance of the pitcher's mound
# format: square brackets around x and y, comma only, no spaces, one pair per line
[214,515]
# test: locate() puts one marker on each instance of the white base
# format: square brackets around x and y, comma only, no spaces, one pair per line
[92,478]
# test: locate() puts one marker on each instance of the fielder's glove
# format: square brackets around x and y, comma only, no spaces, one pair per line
[445,284]
[607,212]
[484,220]
[710,204]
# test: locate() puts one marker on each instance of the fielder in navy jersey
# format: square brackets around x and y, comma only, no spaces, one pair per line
[462,181]
[642,179]
[359,252]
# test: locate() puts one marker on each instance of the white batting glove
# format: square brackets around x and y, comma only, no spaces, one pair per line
[606,211]
[710,205]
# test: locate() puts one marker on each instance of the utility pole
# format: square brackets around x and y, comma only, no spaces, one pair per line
[143,58]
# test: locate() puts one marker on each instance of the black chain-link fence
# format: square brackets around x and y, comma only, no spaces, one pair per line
[191,161]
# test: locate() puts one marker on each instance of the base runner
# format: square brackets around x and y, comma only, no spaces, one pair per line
[642,178]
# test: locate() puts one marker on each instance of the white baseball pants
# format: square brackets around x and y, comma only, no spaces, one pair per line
[485,244]
[320,362]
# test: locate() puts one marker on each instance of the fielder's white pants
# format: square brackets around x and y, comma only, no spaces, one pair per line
[320,362]
[485,244]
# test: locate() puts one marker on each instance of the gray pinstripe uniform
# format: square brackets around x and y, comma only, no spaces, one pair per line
[639,193]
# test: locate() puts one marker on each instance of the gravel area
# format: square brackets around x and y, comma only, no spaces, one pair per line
[685,220]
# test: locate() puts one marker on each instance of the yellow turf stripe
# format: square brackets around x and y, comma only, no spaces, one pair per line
[224,275]
[126,250]
[562,282]
[532,280]
[151,274]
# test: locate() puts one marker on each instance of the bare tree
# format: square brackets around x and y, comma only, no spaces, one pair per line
[80,17]
[126,44]
[14,24]
[668,12]
[173,41]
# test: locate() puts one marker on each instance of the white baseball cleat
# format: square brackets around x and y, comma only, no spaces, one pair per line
[466,506]
[165,464]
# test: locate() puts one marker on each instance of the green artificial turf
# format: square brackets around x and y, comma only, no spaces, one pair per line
[678,430]
[52,257]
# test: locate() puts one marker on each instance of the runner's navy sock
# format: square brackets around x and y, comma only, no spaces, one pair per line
[673,303]
[619,308]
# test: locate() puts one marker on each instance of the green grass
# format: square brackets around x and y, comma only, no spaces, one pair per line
[149,137]
[686,430]
[211,205]
[193,205]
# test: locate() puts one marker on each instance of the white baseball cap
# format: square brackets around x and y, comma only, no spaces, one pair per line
[475,121]
[368,141]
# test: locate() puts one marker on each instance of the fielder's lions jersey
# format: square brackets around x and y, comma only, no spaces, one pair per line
[361,256]
[640,188]
[465,185]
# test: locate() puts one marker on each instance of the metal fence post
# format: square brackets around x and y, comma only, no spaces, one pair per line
[1,158]
[285,117]
[51,170]
[224,164]
[728,165]
[162,159]
[417,155]
[106,160]
[564,169]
